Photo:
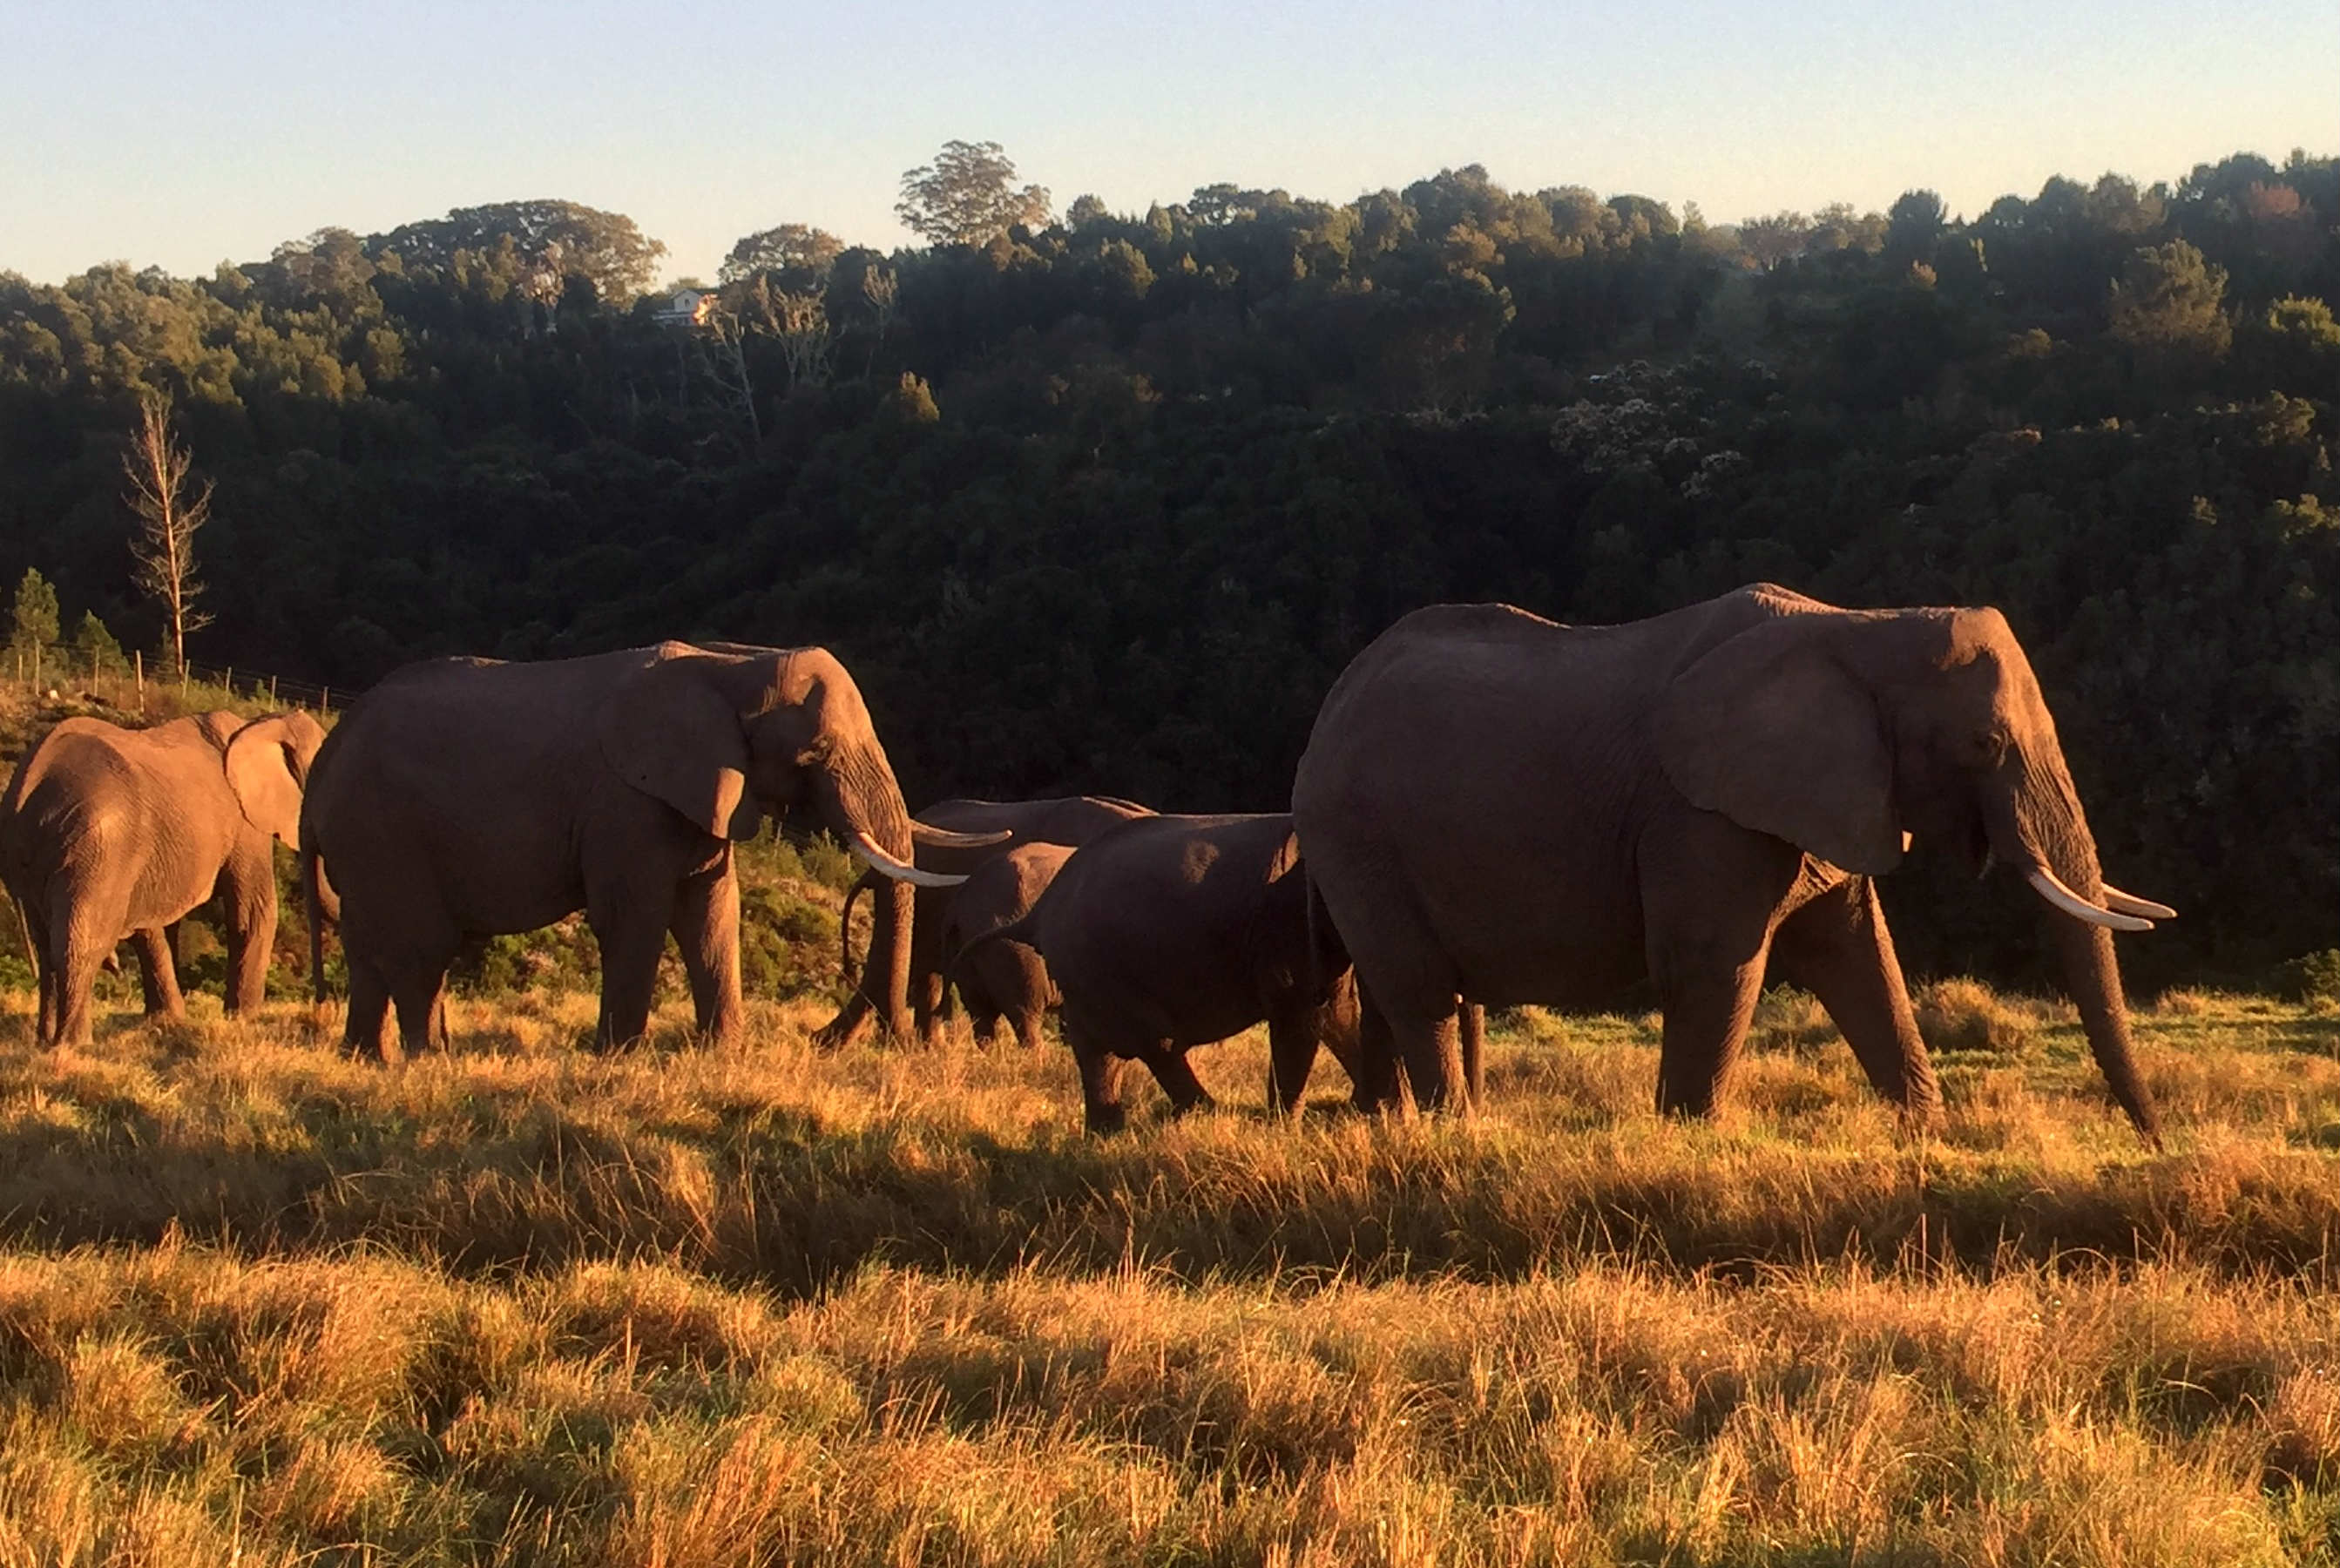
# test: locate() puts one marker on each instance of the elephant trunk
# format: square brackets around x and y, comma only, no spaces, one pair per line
[864,805]
[2038,826]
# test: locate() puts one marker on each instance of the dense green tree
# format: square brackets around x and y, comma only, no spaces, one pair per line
[532,246]
[32,621]
[2167,308]
[97,645]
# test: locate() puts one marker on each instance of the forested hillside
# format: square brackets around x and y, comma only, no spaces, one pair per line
[1104,502]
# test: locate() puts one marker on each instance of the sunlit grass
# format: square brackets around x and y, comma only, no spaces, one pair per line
[525,1304]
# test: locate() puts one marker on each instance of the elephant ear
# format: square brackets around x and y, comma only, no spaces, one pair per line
[670,732]
[1770,730]
[265,767]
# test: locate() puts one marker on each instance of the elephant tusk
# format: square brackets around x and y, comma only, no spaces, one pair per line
[900,870]
[944,838]
[2121,903]
[2045,884]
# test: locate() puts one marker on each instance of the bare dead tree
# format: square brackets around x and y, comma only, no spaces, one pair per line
[801,323]
[170,507]
[882,290]
[725,348]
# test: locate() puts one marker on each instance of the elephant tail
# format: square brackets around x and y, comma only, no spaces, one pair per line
[32,956]
[867,880]
[312,901]
[1327,955]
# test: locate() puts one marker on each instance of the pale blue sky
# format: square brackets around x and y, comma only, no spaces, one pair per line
[184,132]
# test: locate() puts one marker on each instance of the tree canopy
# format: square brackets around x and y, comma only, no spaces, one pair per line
[1105,503]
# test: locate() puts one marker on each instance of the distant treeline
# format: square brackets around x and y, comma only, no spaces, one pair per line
[1106,504]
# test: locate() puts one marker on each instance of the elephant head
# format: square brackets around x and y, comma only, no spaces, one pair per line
[724,736]
[1848,733]
[267,763]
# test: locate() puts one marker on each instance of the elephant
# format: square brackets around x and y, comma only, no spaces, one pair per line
[1005,979]
[463,798]
[1530,812]
[1165,933]
[902,977]
[109,834]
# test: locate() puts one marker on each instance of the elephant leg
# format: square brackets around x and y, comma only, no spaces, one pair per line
[1430,1051]
[706,930]
[247,888]
[631,946]
[44,970]
[421,1001]
[363,1031]
[1706,1010]
[930,1004]
[158,973]
[1375,1085]
[1291,1039]
[45,1028]
[1026,1022]
[80,955]
[1710,893]
[1176,1074]
[1838,947]
[884,974]
[1400,962]
[1102,1073]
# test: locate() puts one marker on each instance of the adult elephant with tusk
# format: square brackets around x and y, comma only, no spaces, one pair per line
[1529,812]
[465,797]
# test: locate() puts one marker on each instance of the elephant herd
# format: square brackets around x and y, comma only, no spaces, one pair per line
[1491,810]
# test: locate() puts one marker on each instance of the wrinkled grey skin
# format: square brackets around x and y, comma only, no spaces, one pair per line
[1165,933]
[902,981]
[1530,812]
[464,798]
[1004,979]
[109,835]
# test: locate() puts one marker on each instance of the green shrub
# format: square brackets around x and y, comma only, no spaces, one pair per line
[2311,978]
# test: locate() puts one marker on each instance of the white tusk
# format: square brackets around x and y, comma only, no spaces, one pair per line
[944,838]
[2044,882]
[900,870]
[2122,903]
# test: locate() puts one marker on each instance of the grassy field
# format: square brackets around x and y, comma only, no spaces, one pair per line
[523,1304]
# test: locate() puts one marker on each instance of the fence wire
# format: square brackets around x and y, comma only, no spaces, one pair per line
[129,681]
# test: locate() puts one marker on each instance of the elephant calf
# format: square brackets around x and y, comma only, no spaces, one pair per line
[108,834]
[1005,979]
[1165,933]
[902,980]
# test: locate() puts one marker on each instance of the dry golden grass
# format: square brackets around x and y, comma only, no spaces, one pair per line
[525,1304]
